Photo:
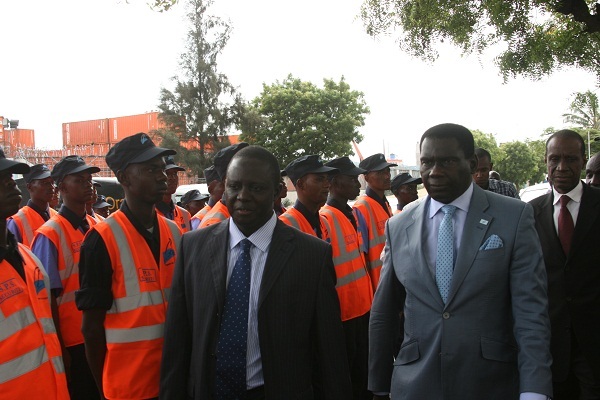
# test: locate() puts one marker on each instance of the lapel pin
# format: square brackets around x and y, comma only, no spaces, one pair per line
[483,221]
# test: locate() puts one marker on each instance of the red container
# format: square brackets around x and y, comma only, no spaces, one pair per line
[122,127]
[19,138]
[85,132]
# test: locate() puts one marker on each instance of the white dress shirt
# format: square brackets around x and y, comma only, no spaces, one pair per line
[261,241]
[573,206]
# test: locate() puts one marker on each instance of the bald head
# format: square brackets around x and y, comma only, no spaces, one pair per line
[592,171]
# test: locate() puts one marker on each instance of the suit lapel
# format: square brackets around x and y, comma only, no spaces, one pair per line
[476,226]
[415,235]
[279,251]
[545,216]
[588,213]
[219,242]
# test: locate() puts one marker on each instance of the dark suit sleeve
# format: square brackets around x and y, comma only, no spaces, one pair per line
[383,324]
[177,348]
[529,299]
[334,380]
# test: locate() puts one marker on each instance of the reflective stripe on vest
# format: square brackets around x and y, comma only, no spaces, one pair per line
[184,215]
[378,238]
[21,365]
[67,253]
[131,335]
[27,233]
[216,214]
[16,322]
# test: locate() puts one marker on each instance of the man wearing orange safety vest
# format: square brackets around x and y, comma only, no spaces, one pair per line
[31,365]
[29,218]
[89,207]
[353,282]
[215,189]
[219,211]
[165,206]
[57,244]
[375,209]
[310,177]
[126,269]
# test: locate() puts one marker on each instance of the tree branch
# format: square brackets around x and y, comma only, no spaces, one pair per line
[581,13]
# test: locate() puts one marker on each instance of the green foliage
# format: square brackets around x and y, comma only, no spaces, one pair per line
[203,105]
[537,36]
[585,112]
[487,141]
[538,151]
[518,165]
[293,118]
[161,5]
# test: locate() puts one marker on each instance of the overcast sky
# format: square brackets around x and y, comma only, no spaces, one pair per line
[73,60]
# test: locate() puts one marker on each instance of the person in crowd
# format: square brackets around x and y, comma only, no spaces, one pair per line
[89,207]
[495,175]
[482,176]
[254,312]
[375,209]
[404,187]
[126,269]
[219,211]
[57,244]
[353,283]
[279,209]
[101,207]
[194,201]
[466,268]
[311,180]
[568,223]
[54,203]
[29,218]
[31,365]
[165,206]
[215,189]
[592,171]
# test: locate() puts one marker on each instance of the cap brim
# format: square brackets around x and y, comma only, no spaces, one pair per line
[150,153]
[354,171]
[14,167]
[84,168]
[177,167]
[101,205]
[323,170]
[413,180]
[199,197]
[43,175]
[381,166]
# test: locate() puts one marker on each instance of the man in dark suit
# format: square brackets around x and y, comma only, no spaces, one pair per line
[570,237]
[465,266]
[292,342]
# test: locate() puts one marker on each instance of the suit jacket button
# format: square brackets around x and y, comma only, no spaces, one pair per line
[446,315]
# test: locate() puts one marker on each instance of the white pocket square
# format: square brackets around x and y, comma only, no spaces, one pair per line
[491,243]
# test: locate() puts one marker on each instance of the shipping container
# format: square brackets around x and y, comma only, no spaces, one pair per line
[122,127]
[86,132]
[18,138]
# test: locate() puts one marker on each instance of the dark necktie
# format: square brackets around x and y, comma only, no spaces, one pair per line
[565,224]
[444,261]
[233,336]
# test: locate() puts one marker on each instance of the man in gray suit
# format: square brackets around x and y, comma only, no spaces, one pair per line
[466,268]
[287,340]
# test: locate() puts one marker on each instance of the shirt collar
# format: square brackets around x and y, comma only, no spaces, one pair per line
[462,202]
[165,208]
[43,212]
[575,193]
[75,220]
[261,238]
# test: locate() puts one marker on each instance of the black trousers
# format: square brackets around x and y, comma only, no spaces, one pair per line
[356,331]
[581,384]
[81,383]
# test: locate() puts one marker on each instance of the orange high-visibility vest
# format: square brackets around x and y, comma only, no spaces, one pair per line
[181,217]
[28,221]
[217,213]
[295,219]
[31,365]
[200,215]
[376,218]
[97,218]
[134,324]
[353,282]
[67,241]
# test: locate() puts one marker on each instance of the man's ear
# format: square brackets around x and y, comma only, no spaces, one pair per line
[473,163]
[122,178]
[300,184]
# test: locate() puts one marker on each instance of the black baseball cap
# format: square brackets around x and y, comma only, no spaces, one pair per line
[11,166]
[134,149]
[37,171]
[170,161]
[403,179]
[96,184]
[101,202]
[345,166]
[210,174]
[376,162]
[70,165]
[193,195]
[309,164]
[224,156]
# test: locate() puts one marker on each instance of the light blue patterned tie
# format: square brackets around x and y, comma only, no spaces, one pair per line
[233,337]
[444,264]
